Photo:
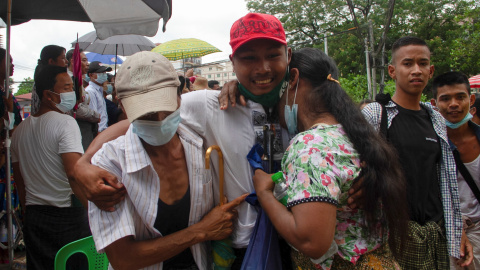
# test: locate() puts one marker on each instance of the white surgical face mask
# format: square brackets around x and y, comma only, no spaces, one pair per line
[460,123]
[157,133]
[67,101]
[101,78]
[291,114]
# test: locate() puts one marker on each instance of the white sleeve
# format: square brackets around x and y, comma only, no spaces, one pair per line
[108,227]
[70,140]
[193,111]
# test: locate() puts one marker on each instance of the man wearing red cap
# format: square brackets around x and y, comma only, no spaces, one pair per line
[260,58]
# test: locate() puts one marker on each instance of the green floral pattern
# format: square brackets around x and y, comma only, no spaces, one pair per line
[319,166]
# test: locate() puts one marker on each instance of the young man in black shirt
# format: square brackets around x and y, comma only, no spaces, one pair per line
[419,135]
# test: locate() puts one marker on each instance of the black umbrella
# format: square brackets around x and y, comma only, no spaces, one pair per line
[109,17]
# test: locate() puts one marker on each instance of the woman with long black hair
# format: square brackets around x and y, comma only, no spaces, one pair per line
[335,145]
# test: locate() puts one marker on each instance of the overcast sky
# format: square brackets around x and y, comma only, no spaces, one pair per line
[207,20]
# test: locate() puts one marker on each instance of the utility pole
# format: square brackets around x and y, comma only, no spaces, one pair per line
[369,83]
[382,71]
[374,58]
[325,42]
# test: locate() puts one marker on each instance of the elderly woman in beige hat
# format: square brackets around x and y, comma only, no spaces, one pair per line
[166,220]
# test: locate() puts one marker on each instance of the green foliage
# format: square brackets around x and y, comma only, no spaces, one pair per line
[450,28]
[25,86]
[356,87]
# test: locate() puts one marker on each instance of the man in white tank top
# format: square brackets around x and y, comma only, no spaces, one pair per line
[451,92]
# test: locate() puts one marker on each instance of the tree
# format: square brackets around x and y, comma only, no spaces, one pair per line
[25,86]
[450,28]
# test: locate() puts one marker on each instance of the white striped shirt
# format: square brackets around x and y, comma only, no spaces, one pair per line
[126,158]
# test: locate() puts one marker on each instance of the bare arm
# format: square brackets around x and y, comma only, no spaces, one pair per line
[17,176]
[69,160]
[466,252]
[126,253]
[98,185]
[300,226]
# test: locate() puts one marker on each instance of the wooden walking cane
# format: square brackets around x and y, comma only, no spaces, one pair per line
[222,251]
[220,161]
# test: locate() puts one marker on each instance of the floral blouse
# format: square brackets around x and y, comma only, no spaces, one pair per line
[319,166]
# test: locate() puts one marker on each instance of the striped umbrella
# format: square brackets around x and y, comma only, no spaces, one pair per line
[185,48]
[474,81]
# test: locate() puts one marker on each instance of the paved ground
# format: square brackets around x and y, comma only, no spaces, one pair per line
[18,262]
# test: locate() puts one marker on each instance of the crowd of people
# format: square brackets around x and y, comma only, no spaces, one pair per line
[390,185]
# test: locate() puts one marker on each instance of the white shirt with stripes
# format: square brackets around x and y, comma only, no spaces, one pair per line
[126,158]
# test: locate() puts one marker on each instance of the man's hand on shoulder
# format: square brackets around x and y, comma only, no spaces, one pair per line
[98,185]
[229,94]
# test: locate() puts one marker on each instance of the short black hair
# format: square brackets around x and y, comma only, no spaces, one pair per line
[69,55]
[449,78]
[181,78]
[47,78]
[212,83]
[406,41]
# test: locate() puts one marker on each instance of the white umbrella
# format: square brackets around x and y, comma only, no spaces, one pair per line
[116,45]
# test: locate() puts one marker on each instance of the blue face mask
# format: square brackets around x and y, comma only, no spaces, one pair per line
[87,79]
[291,115]
[109,89]
[67,101]
[157,133]
[459,124]
[101,78]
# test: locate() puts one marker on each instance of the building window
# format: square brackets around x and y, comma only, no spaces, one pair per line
[233,73]
[209,76]
[225,74]
[209,68]
[218,75]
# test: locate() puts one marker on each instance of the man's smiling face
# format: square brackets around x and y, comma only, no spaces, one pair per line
[260,65]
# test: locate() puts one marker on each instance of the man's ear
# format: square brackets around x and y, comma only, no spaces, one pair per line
[433,102]
[47,95]
[472,99]
[391,72]
[51,62]
[473,110]
[432,70]
[294,77]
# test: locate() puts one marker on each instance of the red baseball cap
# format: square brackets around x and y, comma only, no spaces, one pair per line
[254,26]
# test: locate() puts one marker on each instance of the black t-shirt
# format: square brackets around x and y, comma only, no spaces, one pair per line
[418,147]
[173,218]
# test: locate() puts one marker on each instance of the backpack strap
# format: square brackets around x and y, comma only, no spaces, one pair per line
[383,100]
[466,175]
